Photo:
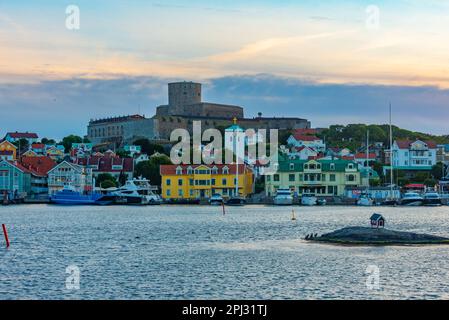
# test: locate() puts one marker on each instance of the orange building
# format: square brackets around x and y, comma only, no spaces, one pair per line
[8,151]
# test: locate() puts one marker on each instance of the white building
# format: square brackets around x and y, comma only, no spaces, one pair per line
[299,140]
[69,174]
[303,153]
[414,155]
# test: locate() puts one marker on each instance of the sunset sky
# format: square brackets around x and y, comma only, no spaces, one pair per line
[320,60]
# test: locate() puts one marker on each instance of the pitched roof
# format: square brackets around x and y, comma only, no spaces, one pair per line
[377,217]
[37,145]
[305,131]
[301,137]
[106,163]
[405,144]
[20,135]
[38,165]
[363,156]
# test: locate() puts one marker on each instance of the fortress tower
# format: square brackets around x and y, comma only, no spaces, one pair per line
[181,94]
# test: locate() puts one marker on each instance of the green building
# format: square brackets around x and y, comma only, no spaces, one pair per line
[324,177]
[14,179]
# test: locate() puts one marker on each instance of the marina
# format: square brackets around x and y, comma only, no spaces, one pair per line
[196,252]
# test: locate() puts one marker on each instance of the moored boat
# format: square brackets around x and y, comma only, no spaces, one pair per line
[216,200]
[432,199]
[137,192]
[236,201]
[308,199]
[69,196]
[411,199]
[283,197]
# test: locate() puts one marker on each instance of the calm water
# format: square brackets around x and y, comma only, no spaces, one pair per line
[255,252]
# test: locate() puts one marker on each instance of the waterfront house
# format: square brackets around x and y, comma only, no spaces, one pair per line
[377,221]
[202,181]
[69,174]
[313,142]
[38,167]
[16,136]
[322,177]
[340,153]
[8,151]
[414,155]
[109,163]
[15,180]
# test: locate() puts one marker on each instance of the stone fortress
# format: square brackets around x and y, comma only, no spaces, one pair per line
[184,106]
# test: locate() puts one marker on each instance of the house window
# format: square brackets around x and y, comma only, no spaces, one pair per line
[225,170]
[168,193]
[351,178]
[214,170]
[291,177]
[223,181]
[179,182]
[306,166]
[332,166]
[268,178]
[332,177]
[168,182]
[323,177]
[178,170]
[180,193]
[213,182]
[292,166]
[191,182]
[189,170]
[276,178]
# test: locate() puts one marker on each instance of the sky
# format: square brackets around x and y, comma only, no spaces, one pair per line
[327,61]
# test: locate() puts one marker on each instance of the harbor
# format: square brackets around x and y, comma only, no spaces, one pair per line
[196,252]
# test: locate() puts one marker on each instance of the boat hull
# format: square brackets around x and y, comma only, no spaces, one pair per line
[412,203]
[283,201]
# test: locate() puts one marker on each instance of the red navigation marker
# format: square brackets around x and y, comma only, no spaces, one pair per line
[6,235]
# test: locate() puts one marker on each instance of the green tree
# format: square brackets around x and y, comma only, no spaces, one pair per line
[437,171]
[148,147]
[106,184]
[105,177]
[47,141]
[123,154]
[22,145]
[69,140]
[151,169]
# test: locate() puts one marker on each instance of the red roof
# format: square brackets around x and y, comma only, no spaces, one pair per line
[171,169]
[106,163]
[20,135]
[38,165]
[405,144]
[37,145]
[300,137]
[305,131]
[363,156]
[415,185]
[347,158]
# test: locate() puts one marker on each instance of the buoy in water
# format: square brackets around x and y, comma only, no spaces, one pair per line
[293,215]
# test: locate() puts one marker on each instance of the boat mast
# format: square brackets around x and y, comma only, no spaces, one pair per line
[391,157]
[367,157]
[236,160]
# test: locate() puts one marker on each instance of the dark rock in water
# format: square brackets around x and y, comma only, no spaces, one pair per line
[307,237]
[371,236]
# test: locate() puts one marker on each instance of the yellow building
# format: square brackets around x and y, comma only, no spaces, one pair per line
[8,151]
[202,181]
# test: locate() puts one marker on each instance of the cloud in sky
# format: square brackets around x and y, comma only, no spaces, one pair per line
[60,107]
[326,41]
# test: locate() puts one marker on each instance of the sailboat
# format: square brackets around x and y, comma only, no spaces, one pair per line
[391,201]
[365,199]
